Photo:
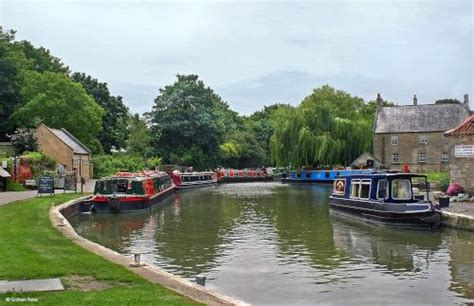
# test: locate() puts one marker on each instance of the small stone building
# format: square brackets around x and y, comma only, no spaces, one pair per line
[461,169]
[364,160]
[413,134]
[66,150]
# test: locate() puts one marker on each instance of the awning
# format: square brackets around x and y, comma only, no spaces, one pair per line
[4,173]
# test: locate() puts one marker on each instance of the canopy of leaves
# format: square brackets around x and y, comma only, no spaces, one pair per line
[114,126]
[139,140]
[242,150]
[24,139]
[189,122]
[52,98]
[329,127]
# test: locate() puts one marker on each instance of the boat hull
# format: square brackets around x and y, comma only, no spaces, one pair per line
[125,204]
[398,215]
[306,181]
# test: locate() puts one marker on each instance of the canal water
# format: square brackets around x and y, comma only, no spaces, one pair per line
[269,243]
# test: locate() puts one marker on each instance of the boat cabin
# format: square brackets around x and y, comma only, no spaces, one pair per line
[383,186]
[126,183]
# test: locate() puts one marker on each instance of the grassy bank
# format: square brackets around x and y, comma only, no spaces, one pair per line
[30,248]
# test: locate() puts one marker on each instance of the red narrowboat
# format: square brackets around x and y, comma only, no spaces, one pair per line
[184,180]
[245,175]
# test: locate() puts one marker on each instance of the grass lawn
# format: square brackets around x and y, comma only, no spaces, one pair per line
[30,248]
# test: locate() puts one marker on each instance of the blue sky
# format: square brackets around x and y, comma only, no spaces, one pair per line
[255,53]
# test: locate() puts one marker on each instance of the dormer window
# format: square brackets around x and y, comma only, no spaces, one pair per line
[394,140]
[424,139]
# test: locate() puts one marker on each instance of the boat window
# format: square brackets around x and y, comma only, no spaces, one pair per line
[364,189]
[355,185]
[327,174]
[401,189]
[308,175]
[298,175]
[382,189]
[339,186]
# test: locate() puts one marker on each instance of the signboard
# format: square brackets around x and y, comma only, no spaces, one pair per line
[46,185]
[70,182]
[464,151]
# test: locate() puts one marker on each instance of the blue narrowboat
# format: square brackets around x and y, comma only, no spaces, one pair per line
[392,198]
[318,176]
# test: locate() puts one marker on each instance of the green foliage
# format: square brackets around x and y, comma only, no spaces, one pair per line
[329,127]
[189,122]
[106,165]
[242,150]
[24,139]
[114,132]
[55,100]
[40,59]
[14,186]
[441,178]
[139,140]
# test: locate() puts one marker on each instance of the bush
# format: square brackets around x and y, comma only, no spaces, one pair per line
[106,165]
[454,189]
[442,178]
[14,186]
[39,162]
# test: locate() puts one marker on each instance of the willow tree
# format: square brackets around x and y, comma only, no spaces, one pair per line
[326,129]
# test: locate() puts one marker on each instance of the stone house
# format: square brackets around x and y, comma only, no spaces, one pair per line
[413,134]
[66,150]
[461,168]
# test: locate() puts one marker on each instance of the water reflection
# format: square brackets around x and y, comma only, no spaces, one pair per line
[269,243]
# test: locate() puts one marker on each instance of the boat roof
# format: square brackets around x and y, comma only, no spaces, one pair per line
[383,174]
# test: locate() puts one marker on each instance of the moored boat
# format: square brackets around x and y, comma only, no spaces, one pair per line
[184,180]
[125,192]
[243,175]
[318,176]
[386,197]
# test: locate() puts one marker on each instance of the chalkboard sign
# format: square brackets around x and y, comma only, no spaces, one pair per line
[70,182]
[46,185]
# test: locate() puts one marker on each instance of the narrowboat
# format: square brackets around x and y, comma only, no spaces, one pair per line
[239,176]
[318,176]
[125,192]
[184,180]
[392,198]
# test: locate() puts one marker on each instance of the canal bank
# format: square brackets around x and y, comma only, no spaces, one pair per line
[459,215]
[59,215]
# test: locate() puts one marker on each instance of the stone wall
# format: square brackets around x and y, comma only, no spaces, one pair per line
[462,168]
[409,146]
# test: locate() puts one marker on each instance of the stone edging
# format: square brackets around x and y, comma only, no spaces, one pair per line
[458,221]
[148,272]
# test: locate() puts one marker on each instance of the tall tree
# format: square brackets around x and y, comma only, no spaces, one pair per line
[114,126]
[188,123]
[40,59]
[12,64]
[139,140]
[57,101]
[329,127]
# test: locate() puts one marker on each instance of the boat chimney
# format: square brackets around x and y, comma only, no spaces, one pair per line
[378,103]
[466,99]
[415,100]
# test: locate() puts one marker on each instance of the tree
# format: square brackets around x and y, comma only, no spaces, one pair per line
[24,139]
[12,63]
[139,139]
[242,150]
[188,123]
[52,98]
[114,126]
[40,59]
[329,127]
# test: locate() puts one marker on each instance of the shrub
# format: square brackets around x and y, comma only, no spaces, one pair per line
[106,165]
[454,189]
[39,162]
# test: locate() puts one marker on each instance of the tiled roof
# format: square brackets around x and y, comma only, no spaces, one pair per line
[71,141]
[465,128]
[420,118]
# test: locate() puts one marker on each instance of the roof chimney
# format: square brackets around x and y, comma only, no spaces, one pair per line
[415,100]
[378,103]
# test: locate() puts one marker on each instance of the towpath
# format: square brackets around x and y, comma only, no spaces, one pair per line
[13,196]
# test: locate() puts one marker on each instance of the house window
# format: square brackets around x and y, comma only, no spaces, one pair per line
[75,161]
[394,140]
[445,157]
[395,158]
[422,157]
[424,139]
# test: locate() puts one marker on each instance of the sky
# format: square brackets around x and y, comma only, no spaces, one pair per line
[256,53]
